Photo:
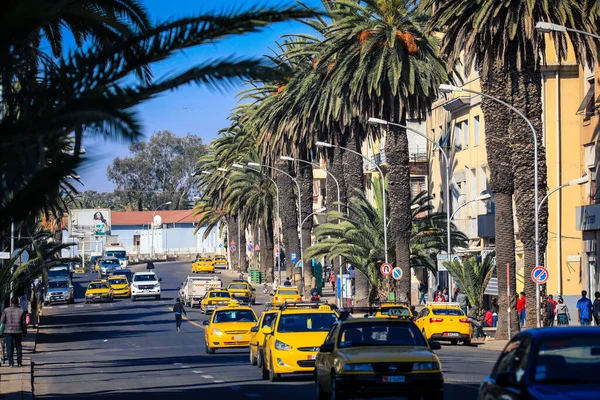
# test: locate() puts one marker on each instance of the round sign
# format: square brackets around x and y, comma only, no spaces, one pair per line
[250,247]
[232,248]
[220,245]
[397,273]
[23,258]
[157,220]
[539,275]
[386,269]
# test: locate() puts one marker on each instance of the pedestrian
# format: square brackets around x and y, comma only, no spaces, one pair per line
[445,294]
[352,274]
[287,282]
[551,309]
[422,289]
[436,292]
[522,308]
[179,312]
[495,309]
[562,313]
[39,295]
[461,299]
[439,297]
[275,284]
[332,280]
[241,276]
[13,320]
[584,309]
[488,319]
[597,308]
[150,266]
[473,320]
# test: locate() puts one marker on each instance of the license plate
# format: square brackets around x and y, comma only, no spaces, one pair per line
[237,337]
[394,379]
[239,294]
[312,357]
[453,334]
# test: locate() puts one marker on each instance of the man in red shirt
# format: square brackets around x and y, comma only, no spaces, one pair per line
[521,307]
[488,318]
[551,312]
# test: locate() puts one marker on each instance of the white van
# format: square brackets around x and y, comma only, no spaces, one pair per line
[116,250]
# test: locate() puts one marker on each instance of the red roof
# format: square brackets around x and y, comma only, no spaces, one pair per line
[145,217]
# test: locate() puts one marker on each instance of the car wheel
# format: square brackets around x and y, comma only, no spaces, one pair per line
[253,360]
[264,370]
[467,342]
[273,377]
[335,393]
[454,342]
[259,358]
[319,393]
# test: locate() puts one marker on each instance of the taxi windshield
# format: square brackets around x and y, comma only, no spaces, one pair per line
[57,285]
[238,286]
[395,311]
[234,316]
[204,260]
[447,311]
[219,294]
[291,292]
[119,281]
[97,286]
[306,322]
[380,333]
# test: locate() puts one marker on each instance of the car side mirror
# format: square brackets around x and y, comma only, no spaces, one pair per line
[267,331]
[160,279]
[435,345]
[254,329]
[326,348]
[206,323]
[506,378]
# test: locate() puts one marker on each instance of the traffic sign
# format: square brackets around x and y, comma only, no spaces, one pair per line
[220,245]
[257,248]
[23,255]
[4,255]
[232,248]
[539,275]
[250,247]
[232,242]
[293,257]
[397,273]
[386,269]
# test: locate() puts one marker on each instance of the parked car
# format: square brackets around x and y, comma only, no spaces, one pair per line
[60,290]
[60,270]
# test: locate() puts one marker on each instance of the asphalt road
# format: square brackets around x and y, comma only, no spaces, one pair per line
[132,350]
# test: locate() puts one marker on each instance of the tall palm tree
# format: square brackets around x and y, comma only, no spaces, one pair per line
[499,39]
[473,276]
[390,67]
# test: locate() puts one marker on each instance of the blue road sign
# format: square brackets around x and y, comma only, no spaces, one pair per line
[250,247]
[539,275]
[293,257]
[397,273]
[220,245]
[232,248]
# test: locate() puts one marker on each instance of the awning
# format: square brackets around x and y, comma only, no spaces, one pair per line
[587,100]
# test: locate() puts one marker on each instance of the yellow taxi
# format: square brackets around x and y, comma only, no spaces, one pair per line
[381,357]
[203,264]
[257,338]
[229,327]
[393,309]
[98,291]
[444,321]
[220,261]
[120,285]
[242,291]
[213,299]
[292,343]
[286,294]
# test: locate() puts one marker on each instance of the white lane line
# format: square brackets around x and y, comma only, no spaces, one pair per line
[208,376]
[217,381]
[63,306]
[177,364]
[185,366]
[79,306]
[49,307]
[198,372]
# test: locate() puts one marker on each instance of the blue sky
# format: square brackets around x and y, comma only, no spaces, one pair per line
[191,109]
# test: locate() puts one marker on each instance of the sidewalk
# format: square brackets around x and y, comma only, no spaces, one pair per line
[491,344]
[16,383]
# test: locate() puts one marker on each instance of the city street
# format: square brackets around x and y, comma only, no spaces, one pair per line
[132,350]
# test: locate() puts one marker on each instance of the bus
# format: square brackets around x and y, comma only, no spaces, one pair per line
[118,251]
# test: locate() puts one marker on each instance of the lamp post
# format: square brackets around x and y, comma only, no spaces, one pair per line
[478,198]
[253,164]
[337,186]
[385,239]
[239,166]
[319,211]
[450,89]
[153,215]
[547,27]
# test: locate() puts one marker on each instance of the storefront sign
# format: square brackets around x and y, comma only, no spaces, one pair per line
[588,217]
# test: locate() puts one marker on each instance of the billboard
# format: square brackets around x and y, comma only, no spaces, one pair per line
[89,222]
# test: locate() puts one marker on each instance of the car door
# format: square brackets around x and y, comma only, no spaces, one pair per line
[505,381]
[324,361]
[422,322]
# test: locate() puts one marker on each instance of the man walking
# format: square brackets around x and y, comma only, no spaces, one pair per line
[461,299]
[584,309]
[597,308]
[522,308]
[15,328]
[422,289]
[179,312]
[551,310]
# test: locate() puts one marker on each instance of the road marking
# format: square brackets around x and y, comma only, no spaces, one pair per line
[185,366]
[177,364]
[48,307]
[63,306]
[79,306]
[217,381]
[189,320]
[208,376]
[198,372]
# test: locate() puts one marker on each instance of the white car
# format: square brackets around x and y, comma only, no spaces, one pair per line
[145,284]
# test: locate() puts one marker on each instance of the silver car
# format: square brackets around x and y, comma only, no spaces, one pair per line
[107,266]
[60,290]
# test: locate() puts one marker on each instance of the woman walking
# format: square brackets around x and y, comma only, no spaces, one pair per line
[13,320]
[179,312]
[562,313]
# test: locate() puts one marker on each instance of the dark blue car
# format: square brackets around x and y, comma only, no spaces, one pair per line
[547,363]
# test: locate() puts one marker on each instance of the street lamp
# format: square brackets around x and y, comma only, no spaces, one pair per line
[547,27]
[153,215]
[253,164]
[239,166]
[450,89]
[385,240]
[319,211]
[486,196]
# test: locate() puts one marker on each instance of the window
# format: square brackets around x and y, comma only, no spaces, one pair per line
[514,357]
[457,137]
[476,131]
[417,185]
[332,334]
[588,106]
[465,129]
[473,190]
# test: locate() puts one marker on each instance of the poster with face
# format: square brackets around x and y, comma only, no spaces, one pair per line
[89,222]
[100,224]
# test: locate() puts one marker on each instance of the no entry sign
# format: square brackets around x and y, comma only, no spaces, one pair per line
[539,275]
[386,269]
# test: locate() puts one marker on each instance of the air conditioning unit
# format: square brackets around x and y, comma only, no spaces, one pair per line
[589,246]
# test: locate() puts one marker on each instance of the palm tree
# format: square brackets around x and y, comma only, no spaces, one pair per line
[389,65]
[499,39]
[472,276]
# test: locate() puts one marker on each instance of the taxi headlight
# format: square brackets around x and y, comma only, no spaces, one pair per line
[282,346]
[425,366]
[217,332]
[358,368]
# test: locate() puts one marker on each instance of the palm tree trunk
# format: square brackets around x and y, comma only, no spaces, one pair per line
[501,183]
[526,95]
[289,217]
[232,229]
[396,149]
[305,179]
[242,249]
[266,251]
